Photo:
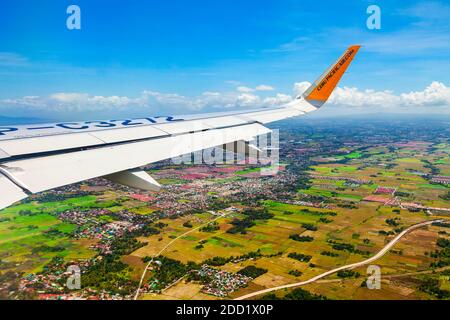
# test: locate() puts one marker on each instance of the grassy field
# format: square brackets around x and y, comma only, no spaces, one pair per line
[25,232]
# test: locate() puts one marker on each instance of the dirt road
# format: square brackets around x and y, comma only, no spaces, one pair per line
[381,253]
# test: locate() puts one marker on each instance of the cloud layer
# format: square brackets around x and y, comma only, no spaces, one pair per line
[436,96]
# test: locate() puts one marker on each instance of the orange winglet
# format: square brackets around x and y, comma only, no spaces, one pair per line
[319,92]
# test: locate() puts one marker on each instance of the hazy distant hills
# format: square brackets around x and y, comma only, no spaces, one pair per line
[5,121]
[22,120]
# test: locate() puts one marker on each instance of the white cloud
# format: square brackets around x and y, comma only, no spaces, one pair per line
[407,42]
[233,82]
[248,99]
[277,100]
[10,59]
[85,99]
[428,11]
[300,87]
[71,101]
[353,97]
[261,87]
[264,87]
[423,32]
[436,95]
[244,89]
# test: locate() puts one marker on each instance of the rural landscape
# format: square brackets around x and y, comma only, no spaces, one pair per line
[344,189]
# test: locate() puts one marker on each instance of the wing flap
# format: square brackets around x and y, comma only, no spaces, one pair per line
[9,192]
[135,179]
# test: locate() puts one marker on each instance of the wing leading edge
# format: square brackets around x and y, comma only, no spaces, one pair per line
[62,154]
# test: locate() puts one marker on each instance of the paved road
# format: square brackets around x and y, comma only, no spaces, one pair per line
[381,253]
[164,249]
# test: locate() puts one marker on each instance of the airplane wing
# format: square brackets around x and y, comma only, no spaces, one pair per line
[37,158]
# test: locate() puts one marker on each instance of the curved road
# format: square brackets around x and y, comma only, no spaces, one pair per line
[164,249]
[381,253]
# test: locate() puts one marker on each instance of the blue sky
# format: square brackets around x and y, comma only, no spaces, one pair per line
[159,57]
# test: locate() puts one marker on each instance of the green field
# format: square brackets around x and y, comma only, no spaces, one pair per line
[247,171]
[28,226]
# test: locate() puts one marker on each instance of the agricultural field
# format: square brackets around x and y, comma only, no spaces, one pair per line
[362,225]
[404,169]
[31,234]
[221,232]
[272,236]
